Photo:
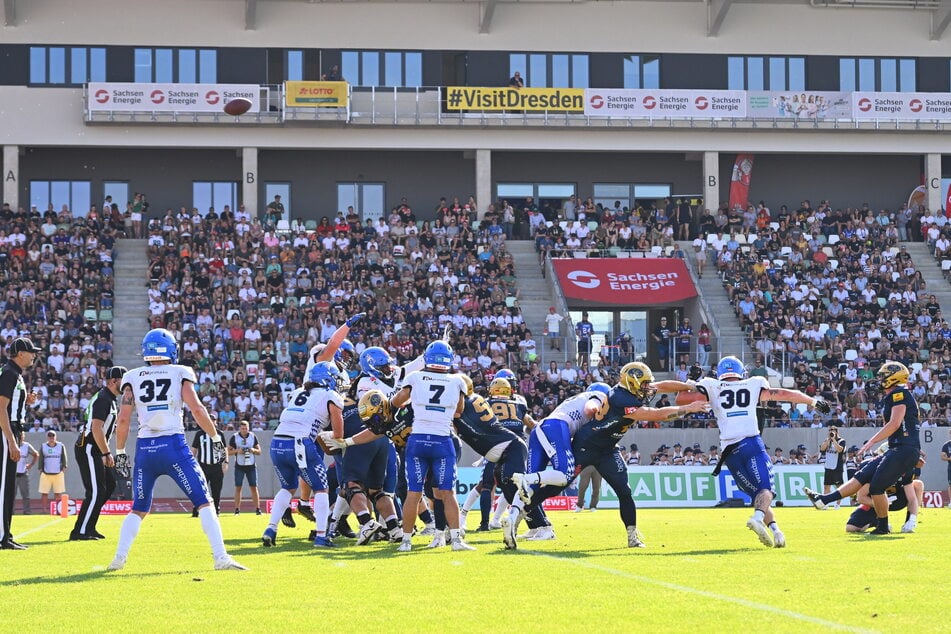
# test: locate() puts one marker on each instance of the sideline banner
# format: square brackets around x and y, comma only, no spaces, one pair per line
[111,507]
[132,97]
[316,94]
[920,106]
[524,99]
[645,103]
[623,281]
[799,105]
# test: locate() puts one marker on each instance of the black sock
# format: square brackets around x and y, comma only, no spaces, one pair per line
[363,518]
[883,523]
[392,523]
[426,517]
[835,496]
[485,506]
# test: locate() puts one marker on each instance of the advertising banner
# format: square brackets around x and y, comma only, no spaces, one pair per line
[316,94]
[622,281]
[799,105]
[111,507]
[132,97]
[920,106]
[522,99]
[740,181]
[643,104]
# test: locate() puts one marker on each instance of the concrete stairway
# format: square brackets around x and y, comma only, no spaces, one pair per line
[131,312]
[535,296]
[930,269]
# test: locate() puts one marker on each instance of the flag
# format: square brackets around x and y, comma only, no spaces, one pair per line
[740,181]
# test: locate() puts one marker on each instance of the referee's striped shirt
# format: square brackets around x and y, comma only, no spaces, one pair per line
[13,387]
[203,444]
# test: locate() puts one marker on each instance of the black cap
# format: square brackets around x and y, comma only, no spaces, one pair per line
[116,372]
[22,344]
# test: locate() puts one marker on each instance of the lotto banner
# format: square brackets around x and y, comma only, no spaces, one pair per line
[799,105]
[132,97]
[624,281]
[316,94]
[740,181]
[522,99]
[646,104]
[111,507]
[916,106]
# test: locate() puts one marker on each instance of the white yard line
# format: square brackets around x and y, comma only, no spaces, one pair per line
[38,528]
[704,593]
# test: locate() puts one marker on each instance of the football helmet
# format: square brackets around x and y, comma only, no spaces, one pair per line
[730,367]
[377,362]
[598,386]
[507,374]
[374,406]
[346,355]
[500,387]
[324,374]
[892,373]
[438,356]
[159,345]
[636,378]
[470,388]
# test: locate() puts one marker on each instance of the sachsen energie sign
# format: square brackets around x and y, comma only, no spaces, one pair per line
[643,104]
[133,97]
[630,282]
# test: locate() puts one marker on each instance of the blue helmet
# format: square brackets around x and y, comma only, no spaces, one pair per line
[604,388]
[438,355]
[505,373]
[159,345]
[376,362]
[324,374]
[346,355]
[730,367]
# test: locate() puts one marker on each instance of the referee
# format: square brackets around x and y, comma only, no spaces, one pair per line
[13,402]
[93,456]
[212,464]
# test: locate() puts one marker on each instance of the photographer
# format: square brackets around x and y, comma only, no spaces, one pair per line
[832,452]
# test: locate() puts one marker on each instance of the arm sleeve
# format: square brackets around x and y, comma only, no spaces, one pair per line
[195,441]
[65,458]
[231,443]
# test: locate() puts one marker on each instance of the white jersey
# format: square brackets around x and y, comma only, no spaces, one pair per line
[571,410]
[367,383]
[158,397]
[434,398]
[307,412]
[734,406]
[343,380]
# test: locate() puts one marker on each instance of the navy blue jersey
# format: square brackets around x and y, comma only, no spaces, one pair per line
[398,429]
[907,433]
[511,413]
[478,427]
[352,425]
[604,433]
[946,449]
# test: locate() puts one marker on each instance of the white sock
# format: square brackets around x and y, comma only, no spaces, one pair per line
[130,528]
[775,527]
[471,499]
[281,501]
[759,515]
[321,510]
[212,528]
[454,533]
[500,509]
[341,508]
[550,476]
[913,517]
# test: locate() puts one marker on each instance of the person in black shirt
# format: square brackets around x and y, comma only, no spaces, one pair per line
[212,464]
[96,464]
[13,401]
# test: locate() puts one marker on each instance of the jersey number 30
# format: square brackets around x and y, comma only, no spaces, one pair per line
[729,398]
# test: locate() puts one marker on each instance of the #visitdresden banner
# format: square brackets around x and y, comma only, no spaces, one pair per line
[646,103]
[132,97]
[523,99]
[623,281]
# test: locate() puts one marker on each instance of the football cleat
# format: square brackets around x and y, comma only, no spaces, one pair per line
[307,511]
[880,531]
[343,528]
[758,527]
[544,533]
[97,534]
[227,563]
[368,531]
[484,528]
[634,538]
[524,488]
[322,541]
[288,518]
[269,537]
[779,540]
[458,544]
[438,541]
[508,533]
[909,526]
[405,546]
[530,534]
[493,525]
[118,563]
[396,535]
[429,531]
[815,498]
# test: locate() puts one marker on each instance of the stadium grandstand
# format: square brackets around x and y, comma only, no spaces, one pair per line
[651,170]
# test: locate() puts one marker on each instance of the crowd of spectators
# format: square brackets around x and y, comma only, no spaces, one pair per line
[57,278]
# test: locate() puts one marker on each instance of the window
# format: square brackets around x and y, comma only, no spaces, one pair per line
[641,71]
[886,74]
[279,189]
[295,65]
[176,66]
[376,68]
[57,65]
[766,73]
[217,194]
[554,194]
[74,195]
[367,199]
[118,190]
[629,195]
[542,70]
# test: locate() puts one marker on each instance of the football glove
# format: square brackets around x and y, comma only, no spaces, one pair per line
[695,372]
[335,443]
[218,452]
[447,332]
[122,464]
[822,407]
[351,321]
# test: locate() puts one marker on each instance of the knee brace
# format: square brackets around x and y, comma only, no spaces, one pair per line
[351,491]
[376,496]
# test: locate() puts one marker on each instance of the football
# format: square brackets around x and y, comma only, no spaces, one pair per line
[326,449]
[686,398]
[238,106]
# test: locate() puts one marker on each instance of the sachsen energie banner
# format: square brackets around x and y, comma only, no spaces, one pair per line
[920,106]
[629,282]
[646,103]
[132,97]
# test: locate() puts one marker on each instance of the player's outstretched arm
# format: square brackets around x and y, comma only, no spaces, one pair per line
[793,396]
[337,338]
[668,386]
[400,398]
[659,414]
[360,438]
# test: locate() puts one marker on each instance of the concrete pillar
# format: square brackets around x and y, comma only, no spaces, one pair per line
[483,179]
[11,175]
[249,181]
[933,181]
[711,181]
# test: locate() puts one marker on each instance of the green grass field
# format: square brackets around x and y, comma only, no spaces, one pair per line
[702,570]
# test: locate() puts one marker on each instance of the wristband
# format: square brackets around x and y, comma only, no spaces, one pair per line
[107,453]
[348,442]
[120,452]
[216,438]
[814,401]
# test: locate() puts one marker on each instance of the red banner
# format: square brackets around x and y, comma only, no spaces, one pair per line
[111,507]
[560,503]
[624,281]
[740,181]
